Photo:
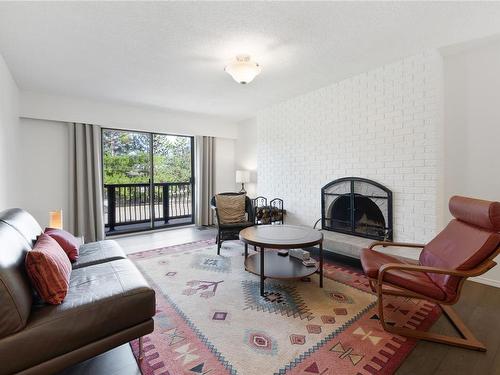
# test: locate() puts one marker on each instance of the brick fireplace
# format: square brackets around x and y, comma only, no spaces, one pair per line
[383,125]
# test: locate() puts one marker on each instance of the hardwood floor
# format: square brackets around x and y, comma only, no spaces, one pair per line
[163,238]
[479,307]
[119,361]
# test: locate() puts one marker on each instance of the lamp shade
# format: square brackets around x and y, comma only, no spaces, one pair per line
[243,69]
[242,176]
[56,219]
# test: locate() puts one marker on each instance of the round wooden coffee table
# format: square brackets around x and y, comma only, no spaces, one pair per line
[275,237]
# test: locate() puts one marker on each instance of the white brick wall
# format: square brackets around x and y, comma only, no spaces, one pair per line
[383,125]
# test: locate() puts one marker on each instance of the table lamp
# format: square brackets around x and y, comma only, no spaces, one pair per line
[56,219]
[242,177]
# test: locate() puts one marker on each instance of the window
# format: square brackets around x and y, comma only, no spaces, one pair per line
[147,180]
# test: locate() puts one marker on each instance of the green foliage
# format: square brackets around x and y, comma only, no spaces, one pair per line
[172,159]
[126,169]
[126,158]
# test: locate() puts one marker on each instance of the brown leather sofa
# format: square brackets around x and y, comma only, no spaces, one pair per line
[108,304]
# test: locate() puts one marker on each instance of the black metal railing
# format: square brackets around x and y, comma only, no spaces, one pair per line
[131,203]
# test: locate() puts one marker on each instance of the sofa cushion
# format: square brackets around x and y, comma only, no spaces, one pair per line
[23,222]
[15,288]
[103,299]
[98,252]
[49,269]
[66,240]
[419,282]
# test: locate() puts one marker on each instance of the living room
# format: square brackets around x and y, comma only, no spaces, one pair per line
[336,126]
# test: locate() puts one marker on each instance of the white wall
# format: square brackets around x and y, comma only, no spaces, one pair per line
[224,165]
[472,125]
[43,178]
[383,125]
[122,116]
[9,122]
[246,154]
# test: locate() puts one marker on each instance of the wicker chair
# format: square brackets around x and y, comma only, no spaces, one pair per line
[228,232]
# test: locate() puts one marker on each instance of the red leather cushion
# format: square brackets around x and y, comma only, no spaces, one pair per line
[419,282]
[49,269]
[66,240]
[459,246]
[478,212]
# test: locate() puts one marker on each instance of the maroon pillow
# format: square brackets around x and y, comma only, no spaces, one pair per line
[66,240]
[49,269]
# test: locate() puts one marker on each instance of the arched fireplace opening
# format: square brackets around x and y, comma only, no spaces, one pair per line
[357,206]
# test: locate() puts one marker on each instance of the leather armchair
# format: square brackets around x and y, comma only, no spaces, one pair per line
[465,248]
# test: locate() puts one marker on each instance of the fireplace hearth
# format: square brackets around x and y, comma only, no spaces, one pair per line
[357,206]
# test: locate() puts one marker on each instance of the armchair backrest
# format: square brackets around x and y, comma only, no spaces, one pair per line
[23,222]
[467,241]
[15,287]
[248,205]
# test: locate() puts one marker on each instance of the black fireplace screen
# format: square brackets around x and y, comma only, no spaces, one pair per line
[357,206]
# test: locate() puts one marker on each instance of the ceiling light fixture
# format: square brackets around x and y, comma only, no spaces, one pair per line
[243,69]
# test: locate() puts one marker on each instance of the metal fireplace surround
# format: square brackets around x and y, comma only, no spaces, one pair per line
[357,206]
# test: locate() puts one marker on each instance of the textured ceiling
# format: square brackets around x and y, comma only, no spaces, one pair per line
[172,55]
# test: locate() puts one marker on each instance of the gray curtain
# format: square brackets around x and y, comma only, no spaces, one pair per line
[86,204]
[204,179]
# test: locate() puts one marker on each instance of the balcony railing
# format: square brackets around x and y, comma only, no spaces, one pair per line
[129,204]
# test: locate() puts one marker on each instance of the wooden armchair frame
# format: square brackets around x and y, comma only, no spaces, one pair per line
[468,340]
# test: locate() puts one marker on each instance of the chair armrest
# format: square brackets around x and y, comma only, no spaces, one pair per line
[479,270]
[398,244]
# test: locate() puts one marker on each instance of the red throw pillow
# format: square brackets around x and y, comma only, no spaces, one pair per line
[66,240]
[49,269]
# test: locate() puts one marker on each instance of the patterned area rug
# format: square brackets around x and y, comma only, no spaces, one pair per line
[211,319]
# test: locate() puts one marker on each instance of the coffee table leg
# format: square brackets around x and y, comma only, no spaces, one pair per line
[246,251]
[262,272]
[321,264]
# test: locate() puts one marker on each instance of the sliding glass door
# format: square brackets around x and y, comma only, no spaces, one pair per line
[148,180]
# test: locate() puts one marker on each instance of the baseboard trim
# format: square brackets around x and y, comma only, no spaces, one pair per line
[486,281]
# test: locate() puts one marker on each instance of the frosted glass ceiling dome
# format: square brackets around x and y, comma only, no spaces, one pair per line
[243,69]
